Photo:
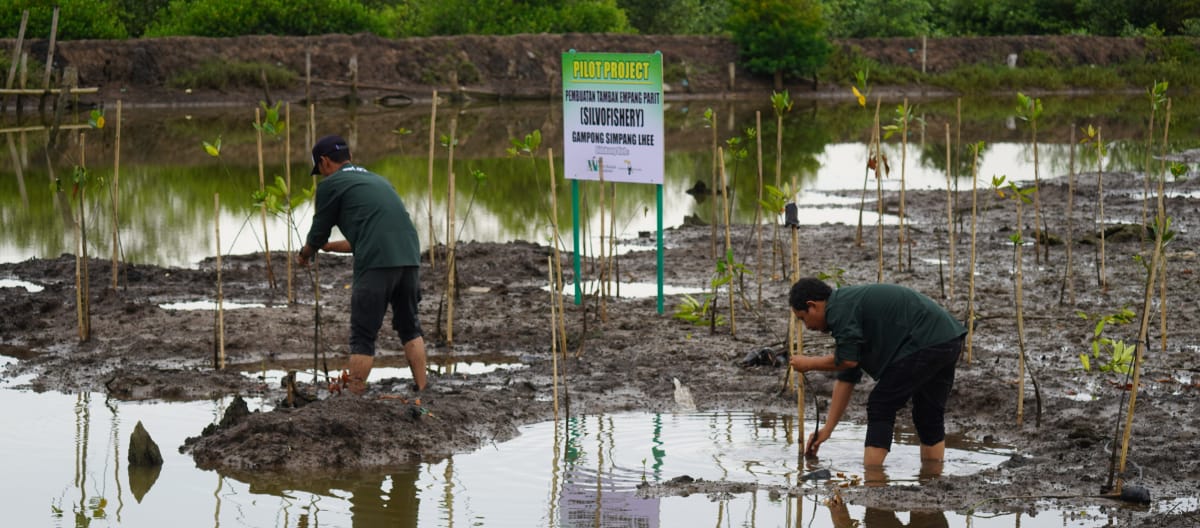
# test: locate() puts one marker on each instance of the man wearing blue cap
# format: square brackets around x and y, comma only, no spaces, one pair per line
[387,256]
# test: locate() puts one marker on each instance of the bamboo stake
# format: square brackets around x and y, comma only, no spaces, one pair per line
[432,143]
[971,269]
[49,59]
[903,167]
[558,283]
[614,263]
[1102,279]
[957,147]
[878,186]
[1069,277]
[601,275]
[316,286]
[116,196]
[1162,216]
[949,216]
[220,359]
[1020,318]
[262,187]
[1039,230]
[287,174]
[758,212]
[796,343]
[728,241]
[712,190]
[451,239]
[553,329]
[16,55]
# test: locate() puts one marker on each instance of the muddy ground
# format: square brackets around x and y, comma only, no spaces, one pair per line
[625,359]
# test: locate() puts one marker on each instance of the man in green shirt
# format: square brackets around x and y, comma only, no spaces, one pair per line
[387,256]
[902,339]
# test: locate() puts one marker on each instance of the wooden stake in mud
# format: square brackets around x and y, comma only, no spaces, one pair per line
[16,57]
[879,174]
[432,144]
[713,190]
[1162,217]
[49,61]
[971,271]
[903,166]
[728,242]
[81,254]
[558,280]
[115,189]
[287,174]
[758,212]
[553,329]
[602,283]
[1068,285]
[262,187]
[949,218]
[219,360]
[1102,278]
[316,286]
[451,239]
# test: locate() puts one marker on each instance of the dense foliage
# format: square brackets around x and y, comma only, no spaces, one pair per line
[780,37]
[404,18]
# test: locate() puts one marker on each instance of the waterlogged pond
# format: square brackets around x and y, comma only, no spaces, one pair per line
[166,182]
[70,453]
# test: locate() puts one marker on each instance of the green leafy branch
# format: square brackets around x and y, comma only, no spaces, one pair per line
[1111,355]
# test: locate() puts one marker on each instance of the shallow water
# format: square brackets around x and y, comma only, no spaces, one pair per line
[70,456]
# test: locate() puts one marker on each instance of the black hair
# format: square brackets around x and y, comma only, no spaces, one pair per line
[808,289]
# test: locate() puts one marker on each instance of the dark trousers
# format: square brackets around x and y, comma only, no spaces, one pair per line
[926,378]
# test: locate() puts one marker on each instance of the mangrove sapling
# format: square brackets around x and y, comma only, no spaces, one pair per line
[975,148]
[450,142]
[1162,234]
[900,124]
[79,182]
[271,126]
[219,327]
[878,162]
[554,237]
[758,211]
[1108,354]
[114,191]
[1158,96]
[861,92]
[429,203]
[1068,284]
[710,122]
[1092,135]
[1030,109]
[1009,190]
[781,103]
[773,205]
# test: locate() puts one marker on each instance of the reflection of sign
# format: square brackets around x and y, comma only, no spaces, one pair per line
[613,117]
[612,501]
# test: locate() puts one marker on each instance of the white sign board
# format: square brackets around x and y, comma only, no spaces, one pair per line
[613,117]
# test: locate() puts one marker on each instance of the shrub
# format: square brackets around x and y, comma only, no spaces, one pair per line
[77,19]
[229,18]
[221,75]
[780,37]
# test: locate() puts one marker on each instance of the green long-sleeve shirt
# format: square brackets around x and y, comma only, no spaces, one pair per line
[367,210]
[877,324]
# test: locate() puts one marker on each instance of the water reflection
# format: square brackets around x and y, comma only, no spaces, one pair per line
[585,471]
[167,181]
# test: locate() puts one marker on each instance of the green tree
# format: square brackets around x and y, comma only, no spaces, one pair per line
[877,18]
[507,17]
[780,37]
[231,18]
[77,19]
[676,17]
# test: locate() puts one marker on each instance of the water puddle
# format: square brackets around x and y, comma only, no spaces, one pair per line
[14,283]
[210,305]
[273,374]
[583,472]
[634,290]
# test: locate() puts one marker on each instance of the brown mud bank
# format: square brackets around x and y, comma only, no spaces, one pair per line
[623,356]
[140,71]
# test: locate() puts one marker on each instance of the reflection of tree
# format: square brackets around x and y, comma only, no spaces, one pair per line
[387,499]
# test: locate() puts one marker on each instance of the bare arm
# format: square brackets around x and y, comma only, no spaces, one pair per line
[837,407]
[337,246]
[826,362]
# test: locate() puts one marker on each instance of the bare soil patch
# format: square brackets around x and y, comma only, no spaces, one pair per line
[627,359]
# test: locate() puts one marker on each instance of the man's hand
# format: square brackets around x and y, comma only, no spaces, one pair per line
[303,255]
[815,440]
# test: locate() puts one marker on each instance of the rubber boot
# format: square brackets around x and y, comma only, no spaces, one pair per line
[414,352]
[360,369]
